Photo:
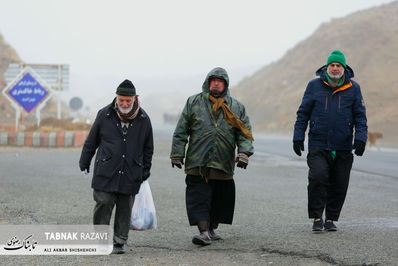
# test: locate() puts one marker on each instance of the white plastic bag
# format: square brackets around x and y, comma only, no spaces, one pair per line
[143,214]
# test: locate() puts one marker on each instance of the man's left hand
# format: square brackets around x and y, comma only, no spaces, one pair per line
[242,160]
[359,147]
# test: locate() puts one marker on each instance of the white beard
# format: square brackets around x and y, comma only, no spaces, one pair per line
[335,76]
[125,110]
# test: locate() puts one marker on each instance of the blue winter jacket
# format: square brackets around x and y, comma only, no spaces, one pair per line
[333,114]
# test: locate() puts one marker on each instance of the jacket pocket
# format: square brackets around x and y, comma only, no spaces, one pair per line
[312,125]
[348,127]
[136,170]
[138,162]
[343,132]
[103,166]
[315,125]
[326,103]
[345,103]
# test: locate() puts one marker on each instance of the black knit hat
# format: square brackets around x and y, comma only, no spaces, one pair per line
[126,88]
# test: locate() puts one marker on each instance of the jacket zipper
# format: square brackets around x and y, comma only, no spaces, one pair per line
[339,102]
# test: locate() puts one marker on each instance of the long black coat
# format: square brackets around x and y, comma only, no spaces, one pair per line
[122,161]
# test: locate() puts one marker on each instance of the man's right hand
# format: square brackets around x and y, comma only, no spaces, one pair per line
[178,162]
[242,160]
[85,171]
[298,146]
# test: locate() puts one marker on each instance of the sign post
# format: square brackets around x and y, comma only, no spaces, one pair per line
[28,91]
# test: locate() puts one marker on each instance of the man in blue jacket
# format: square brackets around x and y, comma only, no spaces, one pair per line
[333,106]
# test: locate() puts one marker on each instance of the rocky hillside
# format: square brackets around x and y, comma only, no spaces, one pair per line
[7,113]
[369,39]
[7,55]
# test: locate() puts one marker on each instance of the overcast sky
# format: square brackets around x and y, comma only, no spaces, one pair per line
[106,41]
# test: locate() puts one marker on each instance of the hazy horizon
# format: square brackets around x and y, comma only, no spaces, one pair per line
[165,48]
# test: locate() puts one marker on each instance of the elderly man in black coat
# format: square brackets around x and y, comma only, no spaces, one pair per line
[122,136]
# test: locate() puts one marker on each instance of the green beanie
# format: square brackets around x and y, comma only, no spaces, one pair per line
[336,56]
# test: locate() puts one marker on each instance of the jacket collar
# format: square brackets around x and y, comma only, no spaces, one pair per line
[348,74]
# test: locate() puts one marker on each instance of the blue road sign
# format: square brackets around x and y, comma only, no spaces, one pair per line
[28,92]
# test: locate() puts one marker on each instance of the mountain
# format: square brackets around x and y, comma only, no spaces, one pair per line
[369,40]
[7,55]
[7,113]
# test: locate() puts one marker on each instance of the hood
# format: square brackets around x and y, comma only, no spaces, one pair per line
[217,72]
[348,73]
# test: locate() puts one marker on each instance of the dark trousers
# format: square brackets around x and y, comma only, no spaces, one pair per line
[213,201]
[105,201]
[328,180]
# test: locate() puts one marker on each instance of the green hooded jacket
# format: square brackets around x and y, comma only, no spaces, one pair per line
[211,139]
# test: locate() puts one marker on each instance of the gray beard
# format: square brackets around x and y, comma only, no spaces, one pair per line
[336,77]
[125,110]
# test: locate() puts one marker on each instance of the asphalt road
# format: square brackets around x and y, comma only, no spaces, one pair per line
[376,161]
[44,186]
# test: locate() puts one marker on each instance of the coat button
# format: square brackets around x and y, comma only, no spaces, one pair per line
[120,172]
[123,156]
[124,139]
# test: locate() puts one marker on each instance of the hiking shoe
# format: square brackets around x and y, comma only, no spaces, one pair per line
[318,225]
[118,249]
[330,226]
[213,235]
[202,240]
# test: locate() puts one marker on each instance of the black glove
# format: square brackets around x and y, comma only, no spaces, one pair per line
[242,160]
[359,147]
[178,162]
[298,146]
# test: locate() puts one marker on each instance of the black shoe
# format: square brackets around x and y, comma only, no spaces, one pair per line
[118,249]
[203,239]
[213,235]
[330,226]
[318,225]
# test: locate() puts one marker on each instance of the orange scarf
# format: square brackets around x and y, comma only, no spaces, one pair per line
[230,116]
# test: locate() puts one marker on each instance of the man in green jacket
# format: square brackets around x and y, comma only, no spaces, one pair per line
[213,124]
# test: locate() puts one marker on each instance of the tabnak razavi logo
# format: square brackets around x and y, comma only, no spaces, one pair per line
[15,243]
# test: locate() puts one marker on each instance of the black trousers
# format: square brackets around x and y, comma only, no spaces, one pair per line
[105,201]
[328,180]
[213,201]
